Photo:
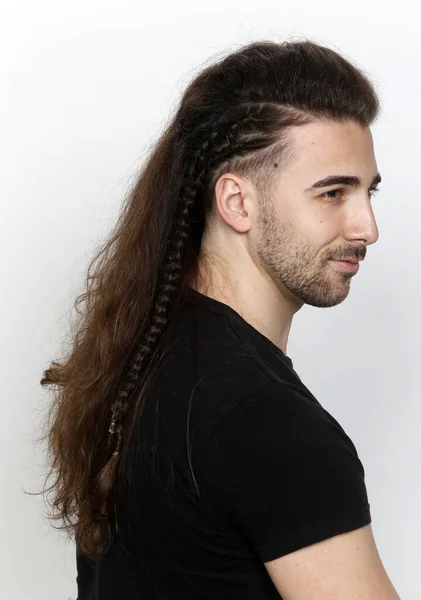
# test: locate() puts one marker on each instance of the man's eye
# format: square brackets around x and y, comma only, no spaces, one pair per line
[332,194]
[336,194]
[373,191]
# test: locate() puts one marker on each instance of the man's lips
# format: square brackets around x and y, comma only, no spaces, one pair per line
[354,261]
[350,264]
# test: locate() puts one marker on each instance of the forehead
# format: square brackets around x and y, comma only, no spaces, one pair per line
[321,147]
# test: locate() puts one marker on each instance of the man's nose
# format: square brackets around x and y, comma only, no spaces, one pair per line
[362,224]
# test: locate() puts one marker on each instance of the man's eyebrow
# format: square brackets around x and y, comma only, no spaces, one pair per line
[342,180]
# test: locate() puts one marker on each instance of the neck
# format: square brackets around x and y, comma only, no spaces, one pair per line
[253,294]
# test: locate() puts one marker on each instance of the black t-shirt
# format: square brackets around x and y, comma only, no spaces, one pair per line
[235,463]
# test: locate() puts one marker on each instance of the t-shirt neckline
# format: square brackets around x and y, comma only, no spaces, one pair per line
[230,312]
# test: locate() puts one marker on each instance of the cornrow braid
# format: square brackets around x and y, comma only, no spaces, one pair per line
[168,289]
[228,140]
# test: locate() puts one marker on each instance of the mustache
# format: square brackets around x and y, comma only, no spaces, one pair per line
[350,254]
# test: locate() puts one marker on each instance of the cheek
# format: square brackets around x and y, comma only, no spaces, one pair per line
[316,239]
[323,230]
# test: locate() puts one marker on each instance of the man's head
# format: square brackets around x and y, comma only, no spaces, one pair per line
[253,134]
[316,209]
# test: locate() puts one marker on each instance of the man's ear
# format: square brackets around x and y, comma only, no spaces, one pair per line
[233,197]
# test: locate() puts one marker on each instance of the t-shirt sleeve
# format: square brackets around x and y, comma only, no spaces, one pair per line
[284,471]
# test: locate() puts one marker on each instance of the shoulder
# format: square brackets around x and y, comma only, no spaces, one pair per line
[278,428]
[285,470]
[284,408]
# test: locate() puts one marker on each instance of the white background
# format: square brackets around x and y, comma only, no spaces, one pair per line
[85,88]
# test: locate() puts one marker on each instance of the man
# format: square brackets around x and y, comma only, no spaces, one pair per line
[191,459]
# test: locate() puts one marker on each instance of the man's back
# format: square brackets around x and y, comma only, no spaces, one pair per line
[235,464]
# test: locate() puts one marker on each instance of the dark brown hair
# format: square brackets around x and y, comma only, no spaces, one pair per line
[234,116]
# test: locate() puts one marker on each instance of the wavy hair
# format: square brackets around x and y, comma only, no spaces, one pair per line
[233,117]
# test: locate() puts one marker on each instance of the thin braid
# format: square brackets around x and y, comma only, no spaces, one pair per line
[215,148]
[168,289]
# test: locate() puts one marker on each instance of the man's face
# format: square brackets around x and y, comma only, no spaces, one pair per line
[302,228]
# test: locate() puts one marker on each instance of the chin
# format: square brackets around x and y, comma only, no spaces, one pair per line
[327,303]
[325,298]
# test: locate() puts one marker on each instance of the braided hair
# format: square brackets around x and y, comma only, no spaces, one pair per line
[233,117]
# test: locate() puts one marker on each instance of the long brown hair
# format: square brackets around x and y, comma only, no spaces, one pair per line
[233,116]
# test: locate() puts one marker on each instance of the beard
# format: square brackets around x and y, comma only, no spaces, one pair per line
[293,263]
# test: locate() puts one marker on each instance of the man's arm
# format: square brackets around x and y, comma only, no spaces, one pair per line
[343,567]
